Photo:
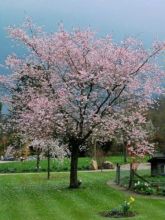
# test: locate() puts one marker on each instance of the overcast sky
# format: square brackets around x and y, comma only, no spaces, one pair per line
[144,19]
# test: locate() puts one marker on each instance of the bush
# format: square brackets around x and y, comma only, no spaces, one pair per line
[143,187]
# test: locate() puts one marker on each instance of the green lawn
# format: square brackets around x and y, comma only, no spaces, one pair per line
[32,197]
[30,166]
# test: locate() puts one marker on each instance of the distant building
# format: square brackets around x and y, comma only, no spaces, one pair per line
[157,165]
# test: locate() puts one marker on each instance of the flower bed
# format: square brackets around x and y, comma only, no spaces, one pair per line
[124,210]
[143,188]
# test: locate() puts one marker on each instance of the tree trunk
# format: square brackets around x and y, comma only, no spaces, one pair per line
[131,180]
[48,168]
[117,174]
[38,160]
[73,166]
[125,151]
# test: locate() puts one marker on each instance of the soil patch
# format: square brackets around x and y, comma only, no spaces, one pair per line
[112,214]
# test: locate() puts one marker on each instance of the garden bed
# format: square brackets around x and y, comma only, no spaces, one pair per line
[112,214]
[152,186]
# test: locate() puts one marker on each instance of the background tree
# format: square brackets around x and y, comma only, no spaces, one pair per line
[51,148]
[157,115]
[4,132]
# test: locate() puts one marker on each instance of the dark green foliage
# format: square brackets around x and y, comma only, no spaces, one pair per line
[157,116]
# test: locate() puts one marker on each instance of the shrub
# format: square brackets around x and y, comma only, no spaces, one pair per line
[143,187]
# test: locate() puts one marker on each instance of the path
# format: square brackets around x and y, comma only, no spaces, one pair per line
[7,161]
[142,166]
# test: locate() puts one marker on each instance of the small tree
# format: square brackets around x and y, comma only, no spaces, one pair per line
[52,148]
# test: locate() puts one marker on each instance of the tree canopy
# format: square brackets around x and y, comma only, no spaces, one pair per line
[80,86]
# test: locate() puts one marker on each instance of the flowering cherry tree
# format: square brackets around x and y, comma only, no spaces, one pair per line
[84,84]
[136,135]
[52,148]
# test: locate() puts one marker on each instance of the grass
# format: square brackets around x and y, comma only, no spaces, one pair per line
[30,166]
[31,196]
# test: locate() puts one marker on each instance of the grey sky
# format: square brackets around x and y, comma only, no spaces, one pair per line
[144,19]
